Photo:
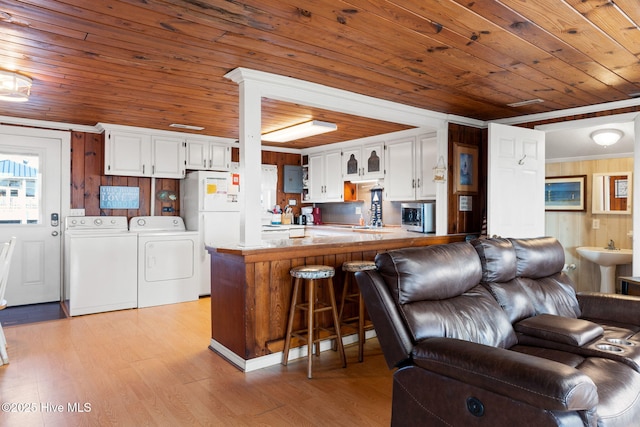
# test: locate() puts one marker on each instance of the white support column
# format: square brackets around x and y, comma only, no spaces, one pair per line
[250,161]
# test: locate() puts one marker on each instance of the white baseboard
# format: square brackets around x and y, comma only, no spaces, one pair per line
[248,365]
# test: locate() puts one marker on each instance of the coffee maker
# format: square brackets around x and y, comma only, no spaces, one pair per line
[308,216]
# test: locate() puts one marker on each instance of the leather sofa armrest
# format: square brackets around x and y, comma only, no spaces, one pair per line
[395,340]
[539,382]
[612,307]
[564,330]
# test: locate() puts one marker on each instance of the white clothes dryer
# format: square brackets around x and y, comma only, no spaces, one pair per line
[100,265]
[167,253]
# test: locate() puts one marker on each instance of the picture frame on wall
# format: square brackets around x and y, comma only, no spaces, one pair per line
[465,168]
[565,193]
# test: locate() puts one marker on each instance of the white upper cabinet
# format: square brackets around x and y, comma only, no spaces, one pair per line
[325,177]
[130,153]
[168,157]
[400,180]
[409,168]
[427,147]
[205,154]
[363,162]
[127,153]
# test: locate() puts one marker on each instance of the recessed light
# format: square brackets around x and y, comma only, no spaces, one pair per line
[527,102]
[181,126]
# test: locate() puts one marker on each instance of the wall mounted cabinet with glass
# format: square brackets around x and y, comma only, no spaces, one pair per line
[611,193]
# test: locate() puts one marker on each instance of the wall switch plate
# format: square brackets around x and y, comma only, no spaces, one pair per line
[293,202]
[595,224]
[358,210]
[76,212]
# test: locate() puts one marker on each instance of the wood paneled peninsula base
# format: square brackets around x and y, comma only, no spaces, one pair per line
[251,287]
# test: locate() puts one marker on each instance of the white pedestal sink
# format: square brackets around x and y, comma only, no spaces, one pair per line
[607,259]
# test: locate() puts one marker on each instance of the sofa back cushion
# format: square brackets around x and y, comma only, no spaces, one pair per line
[540,263]
[499,268]
[436,289]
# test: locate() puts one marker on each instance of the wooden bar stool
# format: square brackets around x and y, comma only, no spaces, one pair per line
[312,274]
[349,268]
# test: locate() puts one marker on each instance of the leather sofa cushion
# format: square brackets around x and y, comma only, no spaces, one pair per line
[552,295]
[538,257]
[576,332]
[430,273]
[473,316]
[513,298]
[498,259]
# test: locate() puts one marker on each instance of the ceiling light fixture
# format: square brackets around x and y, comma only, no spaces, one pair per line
[299,131]
[606,137]
[527,102]
[181,126]
[14,87]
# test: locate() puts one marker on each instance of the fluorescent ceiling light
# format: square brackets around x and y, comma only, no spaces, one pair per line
[527,102]
[606,137]
[14,87]
[299,131]
[181,126]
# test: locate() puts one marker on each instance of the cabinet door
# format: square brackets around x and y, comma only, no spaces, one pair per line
[334,184]
[373,161]
[168,157]
[399,182]
[427,147]
[219,157]
[127,154]
[352,163]
[197,154]
[316,179]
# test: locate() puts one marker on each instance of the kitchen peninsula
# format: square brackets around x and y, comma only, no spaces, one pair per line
[251,287]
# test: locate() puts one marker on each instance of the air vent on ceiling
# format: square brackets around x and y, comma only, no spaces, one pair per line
[181,126]
[527,102]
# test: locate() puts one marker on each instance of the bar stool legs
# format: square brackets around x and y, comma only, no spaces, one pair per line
[313,273]
[350,268]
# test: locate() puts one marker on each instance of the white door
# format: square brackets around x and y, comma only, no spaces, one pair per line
[30,201]
[515,199]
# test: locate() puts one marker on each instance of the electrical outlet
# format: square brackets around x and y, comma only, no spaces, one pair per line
[358,210]
[596,224]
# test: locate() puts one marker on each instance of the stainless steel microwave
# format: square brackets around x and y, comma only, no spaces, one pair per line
[419,217]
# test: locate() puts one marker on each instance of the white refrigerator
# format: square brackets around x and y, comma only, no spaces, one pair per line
[209,204]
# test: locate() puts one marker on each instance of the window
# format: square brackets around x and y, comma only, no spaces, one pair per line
[20,188]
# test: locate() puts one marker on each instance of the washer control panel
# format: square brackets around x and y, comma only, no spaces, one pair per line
[93,223]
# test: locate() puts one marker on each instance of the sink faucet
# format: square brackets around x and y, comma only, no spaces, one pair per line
[611,245]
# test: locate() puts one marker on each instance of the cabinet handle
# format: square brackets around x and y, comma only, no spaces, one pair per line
[205,164]
[142,169]
[413,183]
[418,182]
[153,169]
[210,163]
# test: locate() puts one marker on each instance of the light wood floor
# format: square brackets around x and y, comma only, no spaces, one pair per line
[152,367]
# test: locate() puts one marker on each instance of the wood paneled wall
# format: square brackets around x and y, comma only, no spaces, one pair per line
[574,229]
[87,166]
[467,222]
[279,159]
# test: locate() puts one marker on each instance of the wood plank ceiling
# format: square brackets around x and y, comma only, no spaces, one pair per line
[151,63]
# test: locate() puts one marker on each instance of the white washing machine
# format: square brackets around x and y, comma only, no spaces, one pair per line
[167,253]
[100,265]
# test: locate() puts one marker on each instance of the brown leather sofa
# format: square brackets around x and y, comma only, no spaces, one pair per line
[491,333]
